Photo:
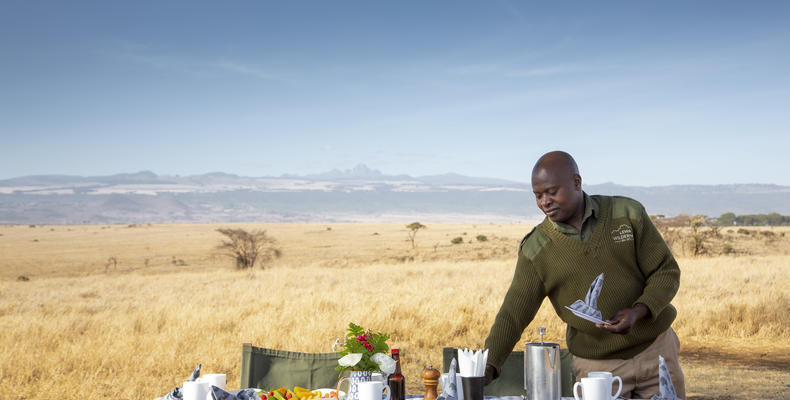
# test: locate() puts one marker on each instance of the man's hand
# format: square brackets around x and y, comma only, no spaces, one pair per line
[622,322]
[490,374]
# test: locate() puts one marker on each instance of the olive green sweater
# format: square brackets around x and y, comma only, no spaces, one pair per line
[638,267]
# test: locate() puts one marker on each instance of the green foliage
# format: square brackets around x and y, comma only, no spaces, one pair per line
[727,219]
[457,240]
[482,238]
[772,219]
[356,340]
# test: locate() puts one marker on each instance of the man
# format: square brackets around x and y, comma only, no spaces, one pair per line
[581,237]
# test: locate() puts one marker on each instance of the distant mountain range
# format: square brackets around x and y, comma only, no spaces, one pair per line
[358,194]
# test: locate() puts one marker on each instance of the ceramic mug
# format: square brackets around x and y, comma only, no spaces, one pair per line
[607,375]
[379,376]
[596,388]
[373,390]
[218,380]
[195,390]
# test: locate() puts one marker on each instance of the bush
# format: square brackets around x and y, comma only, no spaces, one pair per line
[481,238]
[248,247]
[457,240]
[22,278]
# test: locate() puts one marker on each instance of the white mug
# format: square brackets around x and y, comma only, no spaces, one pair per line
[596,388]
[378,376]
[607,375]
[218,380]
[459,389]
[195,390]
[373,390]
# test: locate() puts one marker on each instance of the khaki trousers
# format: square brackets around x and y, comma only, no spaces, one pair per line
[640,374]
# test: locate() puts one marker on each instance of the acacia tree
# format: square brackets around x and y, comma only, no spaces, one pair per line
[413,228]
[248,247]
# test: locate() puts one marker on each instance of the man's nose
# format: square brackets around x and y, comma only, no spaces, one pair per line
[545,201]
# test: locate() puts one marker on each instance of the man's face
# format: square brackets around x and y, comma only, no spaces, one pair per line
[557,194]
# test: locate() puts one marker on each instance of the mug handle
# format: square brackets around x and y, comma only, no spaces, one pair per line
[619,389]
[342,379]
[575,385]
[387,388]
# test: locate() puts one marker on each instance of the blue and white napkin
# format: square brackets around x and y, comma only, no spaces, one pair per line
[588,309]
[449,386]
[243,394]
[666,390]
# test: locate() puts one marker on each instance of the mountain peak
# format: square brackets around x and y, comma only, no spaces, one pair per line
[360,171]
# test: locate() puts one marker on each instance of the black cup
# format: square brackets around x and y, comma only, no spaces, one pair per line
[473,387]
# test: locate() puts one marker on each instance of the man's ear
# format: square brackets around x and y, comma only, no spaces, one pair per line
[577,181]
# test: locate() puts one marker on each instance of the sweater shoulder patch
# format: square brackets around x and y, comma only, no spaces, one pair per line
[533,243]
[626,207]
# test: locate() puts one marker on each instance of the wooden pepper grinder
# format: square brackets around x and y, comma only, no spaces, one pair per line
[430,376]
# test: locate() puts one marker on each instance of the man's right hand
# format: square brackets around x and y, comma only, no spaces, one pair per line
[490,374]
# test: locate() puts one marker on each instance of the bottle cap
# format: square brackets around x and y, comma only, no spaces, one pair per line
[395,351]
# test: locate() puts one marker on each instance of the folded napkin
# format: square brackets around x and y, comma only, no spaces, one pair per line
[449,389]
[666,390]
[176,393]
[472,363]
[243,394]
[588,309]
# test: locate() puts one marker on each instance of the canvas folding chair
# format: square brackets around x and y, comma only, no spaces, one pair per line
[268,369]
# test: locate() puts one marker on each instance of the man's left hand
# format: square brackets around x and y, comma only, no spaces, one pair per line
[622,322]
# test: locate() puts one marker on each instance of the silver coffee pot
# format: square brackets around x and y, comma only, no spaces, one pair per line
[542,378]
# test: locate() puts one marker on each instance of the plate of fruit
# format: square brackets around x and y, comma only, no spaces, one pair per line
[300,393]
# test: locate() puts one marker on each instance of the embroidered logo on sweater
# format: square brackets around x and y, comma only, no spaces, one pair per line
[623,233]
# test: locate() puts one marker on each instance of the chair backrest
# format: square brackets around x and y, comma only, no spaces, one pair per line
[511,379]
[269,368]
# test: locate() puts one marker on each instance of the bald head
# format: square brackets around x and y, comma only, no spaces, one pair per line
[559,163]
[558,188]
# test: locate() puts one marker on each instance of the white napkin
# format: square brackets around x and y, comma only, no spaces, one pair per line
[588,309]
[666,389]
[472,363]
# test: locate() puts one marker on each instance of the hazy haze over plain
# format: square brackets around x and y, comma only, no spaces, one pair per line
[640,93]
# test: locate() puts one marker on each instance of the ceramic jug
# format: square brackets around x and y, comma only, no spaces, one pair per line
[353,381]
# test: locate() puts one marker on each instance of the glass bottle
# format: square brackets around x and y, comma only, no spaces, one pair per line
[396,381]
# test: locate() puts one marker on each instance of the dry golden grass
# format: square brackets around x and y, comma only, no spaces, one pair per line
[79,330]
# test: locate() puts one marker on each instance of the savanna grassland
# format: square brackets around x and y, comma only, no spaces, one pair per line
[127,311]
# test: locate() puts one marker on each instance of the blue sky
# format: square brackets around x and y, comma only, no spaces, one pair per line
[641,93]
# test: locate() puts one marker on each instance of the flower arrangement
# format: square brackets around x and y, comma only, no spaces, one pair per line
[365,351]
